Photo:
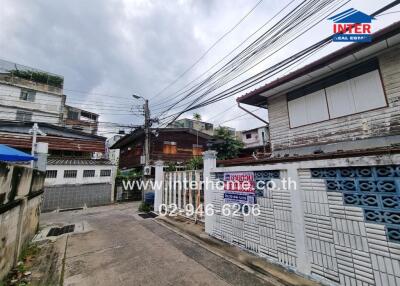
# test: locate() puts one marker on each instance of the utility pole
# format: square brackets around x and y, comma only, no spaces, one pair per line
[147,125]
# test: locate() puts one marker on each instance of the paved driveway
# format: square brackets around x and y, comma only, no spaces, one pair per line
[123,249]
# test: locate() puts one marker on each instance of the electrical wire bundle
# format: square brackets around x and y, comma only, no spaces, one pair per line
[207,97]
[298,21]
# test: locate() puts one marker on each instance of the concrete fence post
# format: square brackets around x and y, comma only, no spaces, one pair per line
[297,202]
[209,162]
[158,184]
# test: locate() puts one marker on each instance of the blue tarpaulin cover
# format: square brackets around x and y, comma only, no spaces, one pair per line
[14,155]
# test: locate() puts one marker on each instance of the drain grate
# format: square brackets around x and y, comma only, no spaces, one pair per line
[148,215]
[56,231]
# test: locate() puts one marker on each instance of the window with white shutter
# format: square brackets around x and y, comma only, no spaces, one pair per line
[355,90]
[308,109]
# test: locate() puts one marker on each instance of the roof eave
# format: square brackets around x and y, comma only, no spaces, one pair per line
[256,96]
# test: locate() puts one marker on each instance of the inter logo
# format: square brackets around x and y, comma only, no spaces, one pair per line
[352,26]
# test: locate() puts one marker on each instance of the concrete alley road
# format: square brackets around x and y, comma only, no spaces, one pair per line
[123,249]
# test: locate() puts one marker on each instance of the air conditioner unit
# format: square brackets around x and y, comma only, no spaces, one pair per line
[147,170]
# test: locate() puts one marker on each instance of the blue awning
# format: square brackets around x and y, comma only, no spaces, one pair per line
[14,155]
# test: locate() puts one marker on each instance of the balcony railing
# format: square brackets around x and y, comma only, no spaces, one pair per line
[30,77]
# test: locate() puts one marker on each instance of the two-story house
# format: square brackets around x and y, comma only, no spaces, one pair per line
[171,145]
[255,140]
[335,134]
[345,101]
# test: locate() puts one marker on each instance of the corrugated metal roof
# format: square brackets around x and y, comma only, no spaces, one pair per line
[24,141]
[294,158]
[75,161]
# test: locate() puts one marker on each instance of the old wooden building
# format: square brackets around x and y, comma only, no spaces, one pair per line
[172,145]
[344,101]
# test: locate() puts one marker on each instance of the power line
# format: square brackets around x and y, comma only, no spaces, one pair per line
[236,117]
[209,49]
[182,91]
[261,76]
[296,16]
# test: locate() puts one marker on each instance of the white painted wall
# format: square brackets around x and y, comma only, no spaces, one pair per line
[60,180]
[256,137]
[113,154]
[309,229]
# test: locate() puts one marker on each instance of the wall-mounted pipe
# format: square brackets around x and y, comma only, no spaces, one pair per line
[251,113]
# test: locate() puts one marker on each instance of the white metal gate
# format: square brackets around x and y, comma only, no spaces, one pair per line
[184,194]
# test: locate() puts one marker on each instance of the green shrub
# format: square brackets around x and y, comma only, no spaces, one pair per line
[196,163]
[144,207]
[40,77]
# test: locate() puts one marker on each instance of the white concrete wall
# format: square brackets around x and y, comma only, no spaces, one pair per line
[310,229]
[19,217]
[253,141]
[60,180]
[113,156]
[256,137]
[47,107]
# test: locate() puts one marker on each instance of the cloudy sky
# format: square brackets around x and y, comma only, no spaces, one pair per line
[109,49]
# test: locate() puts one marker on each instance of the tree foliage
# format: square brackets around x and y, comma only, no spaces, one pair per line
[197,116]
[227,145]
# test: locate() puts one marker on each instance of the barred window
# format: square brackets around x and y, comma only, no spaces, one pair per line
[105,173]
[89,173]
[51,174]
[23,115]
[27,95]
[70,173]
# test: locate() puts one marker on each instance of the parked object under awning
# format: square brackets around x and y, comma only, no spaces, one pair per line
[14,155]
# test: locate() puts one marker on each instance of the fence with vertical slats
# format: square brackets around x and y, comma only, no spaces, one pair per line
[183,194]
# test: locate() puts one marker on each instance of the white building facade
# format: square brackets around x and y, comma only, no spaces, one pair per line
[256,137]
[23,99]
[74,183]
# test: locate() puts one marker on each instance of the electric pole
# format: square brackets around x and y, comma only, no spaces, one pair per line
[147,125]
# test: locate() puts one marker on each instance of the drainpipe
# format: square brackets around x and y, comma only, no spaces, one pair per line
[259,118]
[251,113]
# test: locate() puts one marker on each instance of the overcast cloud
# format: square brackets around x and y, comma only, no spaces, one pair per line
[116,48]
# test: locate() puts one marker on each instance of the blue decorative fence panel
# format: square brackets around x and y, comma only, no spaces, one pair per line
[375,189]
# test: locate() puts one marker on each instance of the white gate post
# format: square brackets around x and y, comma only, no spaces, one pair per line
[297,202]
[158,185]
[209,162]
